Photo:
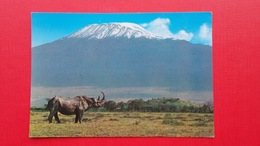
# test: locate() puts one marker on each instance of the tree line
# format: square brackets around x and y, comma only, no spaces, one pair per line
[156,105]
[153,105]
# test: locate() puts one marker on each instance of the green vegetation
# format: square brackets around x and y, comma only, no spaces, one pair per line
[157,105]
[153,105]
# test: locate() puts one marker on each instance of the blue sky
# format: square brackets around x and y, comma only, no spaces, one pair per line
[194,27]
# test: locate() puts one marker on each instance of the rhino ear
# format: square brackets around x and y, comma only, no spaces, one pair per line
[93,99]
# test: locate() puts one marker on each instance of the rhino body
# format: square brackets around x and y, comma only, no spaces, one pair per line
[72,106]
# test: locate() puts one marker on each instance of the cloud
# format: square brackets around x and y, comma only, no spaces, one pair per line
[183,35]
[205,34]
[160,27]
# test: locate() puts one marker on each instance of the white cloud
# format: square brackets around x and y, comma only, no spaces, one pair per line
[183,35]
[205,34]
[144,25]
[160,27]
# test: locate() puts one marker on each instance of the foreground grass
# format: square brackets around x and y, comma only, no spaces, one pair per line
[122,124]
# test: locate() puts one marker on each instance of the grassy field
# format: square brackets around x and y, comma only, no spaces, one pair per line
[124,124]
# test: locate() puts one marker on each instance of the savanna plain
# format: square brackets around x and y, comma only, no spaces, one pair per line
[124,124]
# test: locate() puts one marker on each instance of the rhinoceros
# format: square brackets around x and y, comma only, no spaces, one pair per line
[72,106]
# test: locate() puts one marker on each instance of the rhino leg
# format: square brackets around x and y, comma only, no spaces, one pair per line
[77,117]
[80,116]
[50,117]
[53,111]
[56,117]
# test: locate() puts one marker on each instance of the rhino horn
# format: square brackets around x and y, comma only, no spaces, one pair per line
[103,96]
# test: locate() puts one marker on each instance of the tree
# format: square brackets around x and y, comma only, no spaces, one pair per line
[121,106]
[136,105]
[110,105]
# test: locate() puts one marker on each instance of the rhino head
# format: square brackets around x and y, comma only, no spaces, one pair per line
[99,102]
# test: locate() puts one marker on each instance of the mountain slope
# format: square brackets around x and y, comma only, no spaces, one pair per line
[101,57]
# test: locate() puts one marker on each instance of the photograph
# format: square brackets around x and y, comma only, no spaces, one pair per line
[121,75]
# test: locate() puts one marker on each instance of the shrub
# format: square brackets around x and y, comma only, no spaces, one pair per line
[168,119]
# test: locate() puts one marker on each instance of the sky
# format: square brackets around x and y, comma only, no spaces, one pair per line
[195,27]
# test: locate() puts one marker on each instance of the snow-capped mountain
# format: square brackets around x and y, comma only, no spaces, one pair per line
[100,31]
[122,55]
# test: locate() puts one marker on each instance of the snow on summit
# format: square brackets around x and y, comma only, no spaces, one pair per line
[99,31]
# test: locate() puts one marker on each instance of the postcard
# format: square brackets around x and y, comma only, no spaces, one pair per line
[122,75]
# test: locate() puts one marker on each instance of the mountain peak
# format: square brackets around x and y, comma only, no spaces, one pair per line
[117,29]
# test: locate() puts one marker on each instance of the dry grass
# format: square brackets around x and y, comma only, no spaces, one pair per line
[129,124]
